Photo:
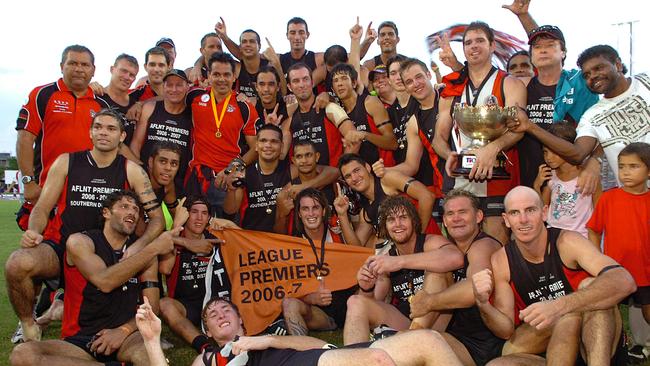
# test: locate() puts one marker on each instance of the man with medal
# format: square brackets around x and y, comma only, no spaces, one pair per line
[221,125]
[195,272]
[321,309]
[400,268]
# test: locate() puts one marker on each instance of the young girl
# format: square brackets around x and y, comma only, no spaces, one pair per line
[567,208]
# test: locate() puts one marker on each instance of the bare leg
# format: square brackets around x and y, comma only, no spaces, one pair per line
[601,330]
[418,347]
[433,283]
[175,315]
[23,267]
[518,359]
[365,312]
[300,317]
[495,226]
[459,349]
[134,351]
[564,343]
[527,339]
[50,353]
[54,313]
[355,357]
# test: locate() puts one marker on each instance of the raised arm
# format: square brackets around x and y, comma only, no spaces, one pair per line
[141,185]
[520,9]
[232,46]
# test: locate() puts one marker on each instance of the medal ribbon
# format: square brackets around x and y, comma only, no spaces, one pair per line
[319,261]
[218,118]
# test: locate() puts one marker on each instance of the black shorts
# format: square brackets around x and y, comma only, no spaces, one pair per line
[482,349]
[339,306]
[56,283]
[192,311]
[640,297]
[285,357]
[84,343]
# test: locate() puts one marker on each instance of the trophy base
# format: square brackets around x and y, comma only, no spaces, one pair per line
[466,163]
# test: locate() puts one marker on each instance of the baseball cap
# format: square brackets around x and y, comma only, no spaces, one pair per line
[378,69]
[176,72]
[548,30]
[166,40]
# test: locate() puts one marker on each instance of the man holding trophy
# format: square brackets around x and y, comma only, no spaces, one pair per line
[475,105]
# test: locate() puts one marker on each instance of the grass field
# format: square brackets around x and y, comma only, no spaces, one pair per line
[181,354]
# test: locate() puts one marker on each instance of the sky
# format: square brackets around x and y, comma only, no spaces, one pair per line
[34,40]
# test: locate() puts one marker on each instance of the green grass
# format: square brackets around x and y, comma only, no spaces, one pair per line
[181,354]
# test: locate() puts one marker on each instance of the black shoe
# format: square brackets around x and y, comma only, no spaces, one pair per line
[278,327]
[637,354]
[383,331]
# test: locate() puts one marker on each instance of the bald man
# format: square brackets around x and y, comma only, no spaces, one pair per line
[559,286]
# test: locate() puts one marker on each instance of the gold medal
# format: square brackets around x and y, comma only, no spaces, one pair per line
[218,118]
[401,146]
[269,211]
[410,298]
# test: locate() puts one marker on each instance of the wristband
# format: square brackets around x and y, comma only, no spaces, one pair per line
[148,284]
[172,205]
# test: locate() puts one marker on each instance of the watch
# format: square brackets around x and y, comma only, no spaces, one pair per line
[28,179]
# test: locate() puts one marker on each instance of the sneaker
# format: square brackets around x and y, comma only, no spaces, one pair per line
[637,354]
[278,327]
[17,337]
[382,331]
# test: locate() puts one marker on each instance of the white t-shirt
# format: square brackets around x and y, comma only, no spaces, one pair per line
[619,121]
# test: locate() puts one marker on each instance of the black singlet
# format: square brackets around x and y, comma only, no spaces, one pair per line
[309,58]
[87,186]
[174,128]
[406,282]
[398,117]
[246,80]
[371,210]
[261,192]
[129,126]
[91,310]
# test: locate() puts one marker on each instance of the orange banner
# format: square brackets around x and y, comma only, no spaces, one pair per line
[265,267]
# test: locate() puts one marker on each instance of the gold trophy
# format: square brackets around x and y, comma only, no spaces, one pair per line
[482,124]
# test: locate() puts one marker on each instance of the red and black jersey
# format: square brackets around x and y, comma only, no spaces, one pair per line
[174,128]
[535,282]
[431,169]
[398,117]
[85,189]
[59,120]
[188,281]
[321,131]
[363,121]
[245,83]
[238,121]
[143,92]
[260,193]
[87,309]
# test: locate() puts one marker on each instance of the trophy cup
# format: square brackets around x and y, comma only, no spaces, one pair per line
[481,124]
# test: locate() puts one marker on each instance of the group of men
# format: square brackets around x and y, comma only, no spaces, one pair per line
[320,146]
